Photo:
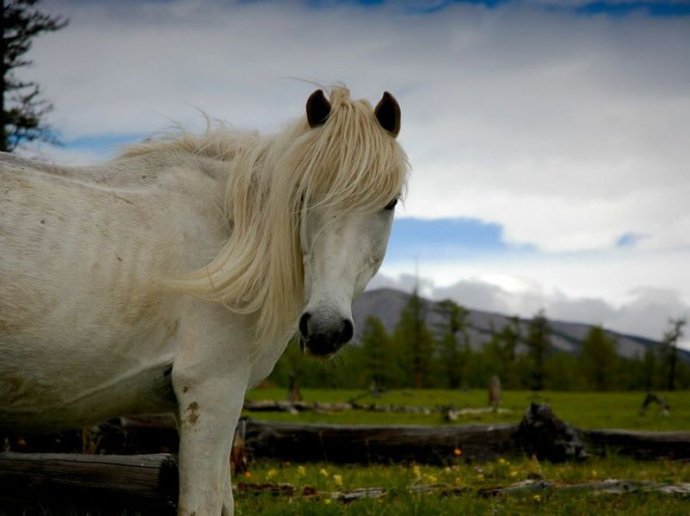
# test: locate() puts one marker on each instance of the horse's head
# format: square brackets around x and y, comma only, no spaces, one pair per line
[346,215]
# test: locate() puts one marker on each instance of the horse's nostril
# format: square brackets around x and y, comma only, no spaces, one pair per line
[304,324]
[348,331]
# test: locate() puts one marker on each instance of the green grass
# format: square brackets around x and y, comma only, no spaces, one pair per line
[324,479]
[584,410]
[397,480]
[581,409]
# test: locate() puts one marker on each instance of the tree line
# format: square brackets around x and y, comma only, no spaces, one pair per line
[521,354]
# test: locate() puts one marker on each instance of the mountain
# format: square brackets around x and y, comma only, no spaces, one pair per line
[387,304]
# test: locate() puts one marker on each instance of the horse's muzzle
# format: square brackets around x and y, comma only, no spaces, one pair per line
[323,338]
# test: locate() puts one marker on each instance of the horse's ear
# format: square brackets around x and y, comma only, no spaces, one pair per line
[388,114]
[318,109]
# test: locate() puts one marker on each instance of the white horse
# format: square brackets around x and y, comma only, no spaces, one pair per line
[172,277]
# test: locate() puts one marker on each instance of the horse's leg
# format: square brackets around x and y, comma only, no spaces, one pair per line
[207,426]
[228,501]
[210,387]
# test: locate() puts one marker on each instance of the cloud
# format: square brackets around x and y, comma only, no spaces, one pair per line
[512,115]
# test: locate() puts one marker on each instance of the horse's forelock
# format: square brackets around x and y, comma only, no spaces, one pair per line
[350,161]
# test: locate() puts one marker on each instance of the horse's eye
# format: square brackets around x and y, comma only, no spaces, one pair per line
[391,205]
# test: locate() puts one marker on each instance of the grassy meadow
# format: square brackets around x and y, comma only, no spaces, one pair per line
[461,488]
[271,487]
[620,410]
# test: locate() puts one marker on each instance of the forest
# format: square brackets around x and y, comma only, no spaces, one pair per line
[416,356]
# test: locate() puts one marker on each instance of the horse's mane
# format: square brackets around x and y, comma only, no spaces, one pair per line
[349,163]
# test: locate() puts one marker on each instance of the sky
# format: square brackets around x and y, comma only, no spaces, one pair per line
[549,140]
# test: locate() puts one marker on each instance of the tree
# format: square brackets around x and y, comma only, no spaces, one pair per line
[504,345]
[415,341]
[538,345]
[22,110]
[669,350]
[598,359]
[376,353]
[450,355]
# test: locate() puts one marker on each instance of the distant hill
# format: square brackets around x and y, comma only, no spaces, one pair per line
[387,304]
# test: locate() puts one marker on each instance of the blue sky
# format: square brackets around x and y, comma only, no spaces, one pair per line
[610,8]
[426,240]
[549,140]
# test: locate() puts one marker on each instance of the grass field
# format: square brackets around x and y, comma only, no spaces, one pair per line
[460,485]
[469,480]
[585,410]
[581,409]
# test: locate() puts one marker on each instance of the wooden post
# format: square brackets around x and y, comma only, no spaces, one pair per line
[494,392]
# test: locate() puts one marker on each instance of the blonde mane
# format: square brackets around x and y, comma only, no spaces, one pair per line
[349,163]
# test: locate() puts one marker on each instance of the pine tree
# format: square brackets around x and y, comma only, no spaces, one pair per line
[453,329]
[669,350]
[415,341]
[507,341]
[598,359]
[376,353]
[22,110]
[538,346]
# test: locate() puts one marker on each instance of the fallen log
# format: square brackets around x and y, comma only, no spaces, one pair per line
[371,444]
[295,407]
[540,433]
[636,444]
[146,482]
[608,486]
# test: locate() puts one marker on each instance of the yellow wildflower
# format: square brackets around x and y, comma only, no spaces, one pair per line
[271,473]
[323,472]
[301,471]
[338,479]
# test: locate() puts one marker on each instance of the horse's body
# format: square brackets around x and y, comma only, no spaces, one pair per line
[83,325]
[101,316]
